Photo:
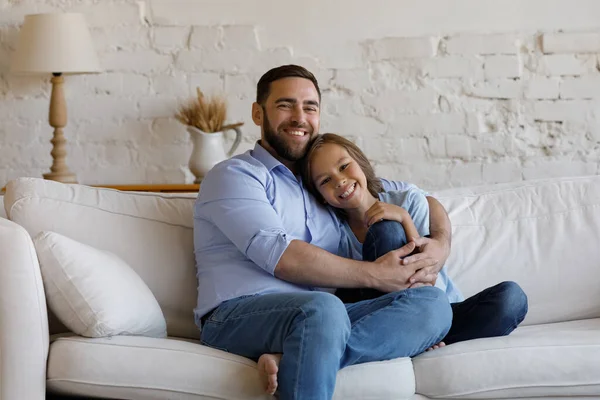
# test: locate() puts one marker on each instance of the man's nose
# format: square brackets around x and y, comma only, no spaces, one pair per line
[298,115]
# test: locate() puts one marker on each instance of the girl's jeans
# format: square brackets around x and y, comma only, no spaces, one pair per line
[496,311]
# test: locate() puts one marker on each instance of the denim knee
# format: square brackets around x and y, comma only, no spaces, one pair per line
[328,314]
[386,228]
[383,237]
[512,301]
[436,311]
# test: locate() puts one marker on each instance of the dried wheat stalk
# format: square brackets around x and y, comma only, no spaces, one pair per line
[207,115]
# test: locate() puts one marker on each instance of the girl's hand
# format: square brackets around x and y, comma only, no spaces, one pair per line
[381,210]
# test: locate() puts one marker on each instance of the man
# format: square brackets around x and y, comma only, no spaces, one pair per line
[264,248]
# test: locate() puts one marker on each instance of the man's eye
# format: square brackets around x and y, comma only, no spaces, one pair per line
[284,105]
[310,109]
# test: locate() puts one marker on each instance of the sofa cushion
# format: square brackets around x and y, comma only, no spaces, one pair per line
[151,232]
[534,361]
[148,368]
[544,235]
[95,293]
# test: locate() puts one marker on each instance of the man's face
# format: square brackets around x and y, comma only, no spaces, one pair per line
[289,119]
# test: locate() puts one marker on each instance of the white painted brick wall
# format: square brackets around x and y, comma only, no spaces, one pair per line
[567,64]
[429,103]
[453,67]
[542,88]
[483,44]
[496,89]
[571,42]
[398,48]
[498,66]
[580,88]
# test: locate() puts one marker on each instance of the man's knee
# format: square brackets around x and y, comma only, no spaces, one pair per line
[433,306]
[328,313]
[439,309]
[512,300]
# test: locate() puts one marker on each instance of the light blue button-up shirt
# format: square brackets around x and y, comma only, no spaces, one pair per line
[249,209]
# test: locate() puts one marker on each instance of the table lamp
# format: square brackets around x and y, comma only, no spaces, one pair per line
[57,44]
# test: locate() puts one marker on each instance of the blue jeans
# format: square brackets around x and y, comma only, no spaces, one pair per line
[318,334]
[496,311]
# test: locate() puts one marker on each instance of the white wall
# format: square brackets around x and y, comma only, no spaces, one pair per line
[441,93]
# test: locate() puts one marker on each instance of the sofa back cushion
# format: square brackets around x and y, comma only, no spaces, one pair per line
[545,235]
[152,233]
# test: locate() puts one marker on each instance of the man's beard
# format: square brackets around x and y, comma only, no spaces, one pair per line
[278,143]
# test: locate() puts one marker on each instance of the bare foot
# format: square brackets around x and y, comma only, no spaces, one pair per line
[268,365]
[436,346]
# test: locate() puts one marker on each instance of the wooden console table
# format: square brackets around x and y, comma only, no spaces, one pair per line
[164,188]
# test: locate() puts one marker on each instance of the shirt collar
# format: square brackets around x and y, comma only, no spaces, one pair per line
[262,155]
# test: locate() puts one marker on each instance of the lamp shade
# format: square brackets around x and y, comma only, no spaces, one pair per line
[55,43]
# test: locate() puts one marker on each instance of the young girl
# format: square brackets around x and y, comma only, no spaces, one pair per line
[338,173]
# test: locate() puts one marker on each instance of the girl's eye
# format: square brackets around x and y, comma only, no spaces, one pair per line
[343,167]
[325,181]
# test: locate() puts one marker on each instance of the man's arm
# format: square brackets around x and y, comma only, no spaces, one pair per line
[440,228]
[434,251]
[305,264]
[233,198]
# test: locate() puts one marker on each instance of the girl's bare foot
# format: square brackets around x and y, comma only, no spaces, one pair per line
[268,366]
[436,346]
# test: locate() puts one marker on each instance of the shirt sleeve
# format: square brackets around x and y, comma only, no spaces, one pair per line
[400,186]
[417,206]
[233,197]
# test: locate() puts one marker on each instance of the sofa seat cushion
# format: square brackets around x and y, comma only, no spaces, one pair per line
[560,359]
[150,368]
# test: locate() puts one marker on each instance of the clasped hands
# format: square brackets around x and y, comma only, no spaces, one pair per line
[401,270]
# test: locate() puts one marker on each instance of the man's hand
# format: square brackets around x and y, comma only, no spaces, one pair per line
[382,210]
[389,273]
[428,261]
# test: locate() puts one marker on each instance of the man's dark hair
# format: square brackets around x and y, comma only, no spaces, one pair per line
[263,88]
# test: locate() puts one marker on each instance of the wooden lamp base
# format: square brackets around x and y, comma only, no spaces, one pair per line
[58,119]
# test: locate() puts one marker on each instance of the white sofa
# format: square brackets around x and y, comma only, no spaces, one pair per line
[545,235]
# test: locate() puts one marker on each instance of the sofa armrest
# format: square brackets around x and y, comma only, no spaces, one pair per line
[24,337]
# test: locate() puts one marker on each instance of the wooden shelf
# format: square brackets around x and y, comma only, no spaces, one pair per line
[160,188]
[164,188]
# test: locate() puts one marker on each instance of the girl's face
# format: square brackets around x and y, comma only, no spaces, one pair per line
[338,177]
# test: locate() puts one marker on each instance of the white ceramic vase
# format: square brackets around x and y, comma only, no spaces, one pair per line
[208,150]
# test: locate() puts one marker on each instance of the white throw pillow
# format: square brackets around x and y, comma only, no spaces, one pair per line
[95,293]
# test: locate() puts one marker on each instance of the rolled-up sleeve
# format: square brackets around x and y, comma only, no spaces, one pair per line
[233,197]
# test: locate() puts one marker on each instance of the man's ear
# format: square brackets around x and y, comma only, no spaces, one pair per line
[257,114]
